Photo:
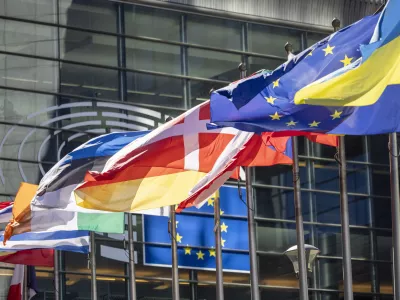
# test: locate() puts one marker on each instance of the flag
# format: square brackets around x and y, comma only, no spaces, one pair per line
[33,257]
[51,205]
[77,241]
[162,167]
[195,235]
[264,102]
[18,281]
[373,76]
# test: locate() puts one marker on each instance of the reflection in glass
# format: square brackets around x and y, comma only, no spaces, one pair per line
[259,63]
[276,270]
[39,10]
[89,14]
[152,22]
[219,33]
[151,56]
[154,90]
[213,65]
[271,40]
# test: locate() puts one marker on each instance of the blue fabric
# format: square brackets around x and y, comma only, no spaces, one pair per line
[243,105]
[105,145]
[196,229]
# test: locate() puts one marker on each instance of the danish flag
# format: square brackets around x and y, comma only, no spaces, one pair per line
[162,167]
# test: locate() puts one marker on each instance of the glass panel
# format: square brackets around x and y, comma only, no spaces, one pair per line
[219,33]
[151,56]
[272,40]
[380,181]
[327,177]
[89,14]
[313,37]
[154,90]
[38,10]
[361,276]
[87,47]
[200,90]
[28,73]
[330,274]
[27,143]
[383,244]
[75,262]
[21,37]
[45,285]
[278,237]
[355,149]
[280,175]
[277,270]
[27,108]
[152,22]
[87,81]
[5,280]
[259,63]
[230,292]
[385,278]
[111,257]
[214,65]
[12,173]
[378,148]
[279,204]
[280,294]
[327,208]
[78,287]
[329,242]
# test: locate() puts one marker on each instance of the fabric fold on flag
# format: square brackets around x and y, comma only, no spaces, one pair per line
[363,81]
[51,206]
[32,257]
[18,281]
[264,102]
[173,158]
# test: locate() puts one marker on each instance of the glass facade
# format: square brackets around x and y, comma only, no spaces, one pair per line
[74,69]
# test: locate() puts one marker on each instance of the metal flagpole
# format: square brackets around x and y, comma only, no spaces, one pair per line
[218,250]
[93,266]
[25,289]
[301,251]
[57,286]
[131,255]
[344,211]
[394,184]
[175,273]
[255,293]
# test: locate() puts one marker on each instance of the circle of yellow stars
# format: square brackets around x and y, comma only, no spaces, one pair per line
[328,50]
[211,252]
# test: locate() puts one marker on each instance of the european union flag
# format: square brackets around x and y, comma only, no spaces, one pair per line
[265,101]
[195,235]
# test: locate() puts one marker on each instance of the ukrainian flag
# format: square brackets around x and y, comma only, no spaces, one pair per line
[375,75]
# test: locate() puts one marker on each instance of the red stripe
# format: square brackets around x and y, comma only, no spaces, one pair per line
[14,292]
[36,257]
[204,113]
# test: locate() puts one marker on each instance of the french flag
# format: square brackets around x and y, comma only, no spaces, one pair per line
[17,283]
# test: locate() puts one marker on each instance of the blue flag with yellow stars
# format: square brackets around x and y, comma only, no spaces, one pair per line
[265,100]
[195,235]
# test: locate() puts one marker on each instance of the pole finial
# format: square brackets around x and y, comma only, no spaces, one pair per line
[169,118]
[336,24]
[288,48]
[242,67]
[211,91]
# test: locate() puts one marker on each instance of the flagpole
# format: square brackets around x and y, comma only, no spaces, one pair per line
[175,273]
[57,286]
[218,250]
[301,251]
[344,210]
[131,255]
[93,266]
[25,288]
[394,184]
[251,224]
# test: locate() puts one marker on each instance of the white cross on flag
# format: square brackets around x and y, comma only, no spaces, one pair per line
[162,167]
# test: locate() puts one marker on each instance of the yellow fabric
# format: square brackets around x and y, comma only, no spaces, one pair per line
[23,198]
[139,194]
[361,86]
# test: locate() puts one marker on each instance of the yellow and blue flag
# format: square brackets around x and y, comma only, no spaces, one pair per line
[264,102]
[195,235]
[372,77]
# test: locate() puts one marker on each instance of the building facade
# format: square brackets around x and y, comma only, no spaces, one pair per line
[74,69]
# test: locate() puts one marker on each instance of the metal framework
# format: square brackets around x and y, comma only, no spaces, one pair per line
[183,45]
